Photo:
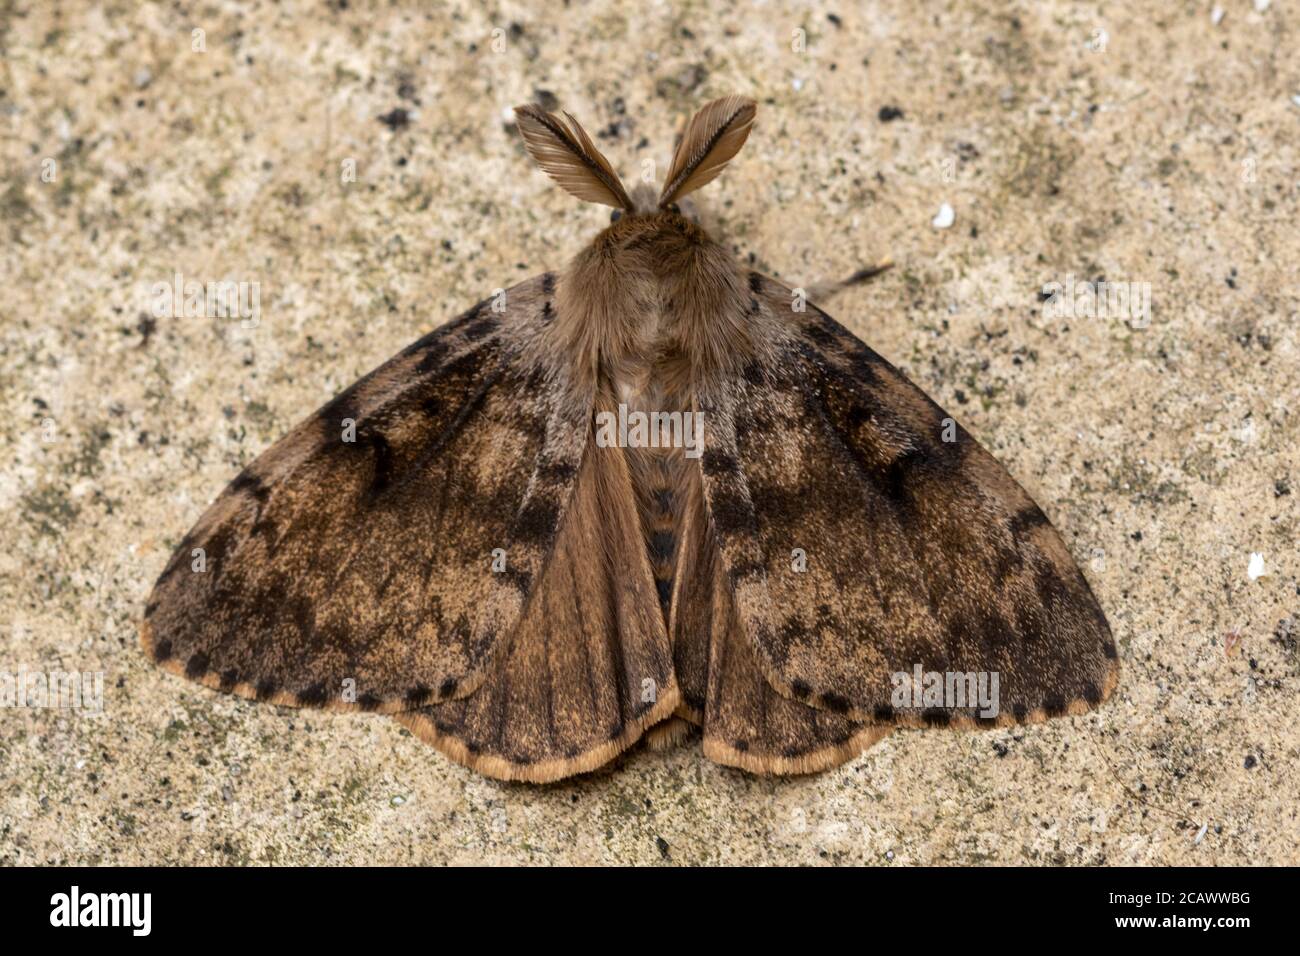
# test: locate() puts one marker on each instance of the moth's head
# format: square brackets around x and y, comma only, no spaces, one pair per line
[640,226]
[564,151]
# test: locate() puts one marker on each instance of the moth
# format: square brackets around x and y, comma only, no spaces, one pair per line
[458,541]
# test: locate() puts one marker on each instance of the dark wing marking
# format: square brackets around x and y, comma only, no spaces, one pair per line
[359,573]
[919,551]
[589,668]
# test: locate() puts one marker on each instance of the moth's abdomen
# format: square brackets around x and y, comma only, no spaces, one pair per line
[658,468]
[656,478]
[661,535]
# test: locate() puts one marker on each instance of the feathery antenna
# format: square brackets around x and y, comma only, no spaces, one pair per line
[567,154]
[713,136]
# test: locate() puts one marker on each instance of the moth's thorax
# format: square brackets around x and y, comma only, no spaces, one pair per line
[654,297]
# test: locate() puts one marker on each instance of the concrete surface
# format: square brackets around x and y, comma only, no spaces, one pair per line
[1067,138]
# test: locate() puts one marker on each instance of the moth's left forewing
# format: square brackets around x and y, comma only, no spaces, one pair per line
[589,667]
[869,539]
[379,555]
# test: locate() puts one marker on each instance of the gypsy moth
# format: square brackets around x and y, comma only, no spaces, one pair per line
[532,598]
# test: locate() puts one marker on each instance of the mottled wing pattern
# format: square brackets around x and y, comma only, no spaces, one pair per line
[351,564]
[916,550]
[746,722]
[589,667]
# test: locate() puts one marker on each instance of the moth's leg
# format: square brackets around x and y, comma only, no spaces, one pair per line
[825,291]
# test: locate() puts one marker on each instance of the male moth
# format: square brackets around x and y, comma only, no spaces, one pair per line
[465,540]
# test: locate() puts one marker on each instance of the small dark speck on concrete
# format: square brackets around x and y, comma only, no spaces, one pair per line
[888,114]
[662,844]
[396,119]
[615,129]
[146,327]
[1250,761]
[546,100]
[835,20]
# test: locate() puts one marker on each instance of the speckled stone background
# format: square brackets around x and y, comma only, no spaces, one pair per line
[1068,139]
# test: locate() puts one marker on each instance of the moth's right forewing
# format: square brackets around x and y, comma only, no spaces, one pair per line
[862,545]
[378,556]
[747,723]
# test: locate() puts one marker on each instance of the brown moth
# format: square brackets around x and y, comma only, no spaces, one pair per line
[466,540]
